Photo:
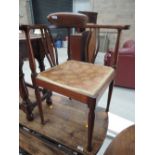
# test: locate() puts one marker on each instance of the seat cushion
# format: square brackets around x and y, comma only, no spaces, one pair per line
[81,77]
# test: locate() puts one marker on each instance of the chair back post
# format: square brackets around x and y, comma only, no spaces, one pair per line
[68,44]
[116,51]
[32,64]
[31,56]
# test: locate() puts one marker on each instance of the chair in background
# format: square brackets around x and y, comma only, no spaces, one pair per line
[81,81]
[123,143]
[125,73]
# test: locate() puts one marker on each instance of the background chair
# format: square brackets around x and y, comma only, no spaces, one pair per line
[125,73]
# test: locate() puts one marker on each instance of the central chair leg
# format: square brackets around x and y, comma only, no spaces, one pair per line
[38,97]
[91,118]
[109,95]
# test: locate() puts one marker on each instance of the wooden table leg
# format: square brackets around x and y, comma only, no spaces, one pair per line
[91,118]
[26,105]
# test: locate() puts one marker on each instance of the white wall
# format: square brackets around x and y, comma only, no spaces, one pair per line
[24,12]
[113,12]
[82,5]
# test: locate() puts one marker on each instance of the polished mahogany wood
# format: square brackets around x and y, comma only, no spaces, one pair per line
[90,101]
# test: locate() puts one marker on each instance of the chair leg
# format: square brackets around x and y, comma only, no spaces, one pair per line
[109,95]
[91,118]
[38,97]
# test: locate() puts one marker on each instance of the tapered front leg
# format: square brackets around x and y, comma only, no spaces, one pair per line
[109,95]
[91,118]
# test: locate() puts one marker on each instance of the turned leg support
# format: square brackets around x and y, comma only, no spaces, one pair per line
[91,118]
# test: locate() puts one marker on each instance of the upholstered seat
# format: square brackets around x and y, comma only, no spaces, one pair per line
[80,77]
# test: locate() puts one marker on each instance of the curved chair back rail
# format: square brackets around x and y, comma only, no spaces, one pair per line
[67,19]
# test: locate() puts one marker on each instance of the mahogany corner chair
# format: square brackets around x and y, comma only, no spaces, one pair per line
[78,80]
